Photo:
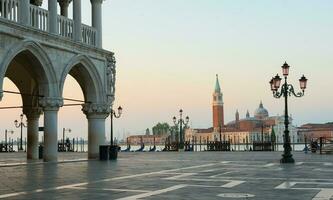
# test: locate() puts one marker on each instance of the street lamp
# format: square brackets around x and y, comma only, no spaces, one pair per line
[20,125]
[63,137]
[286,90]
[113,114]
[181,122]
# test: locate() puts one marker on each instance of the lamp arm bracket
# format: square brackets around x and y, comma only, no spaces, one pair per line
[291,91]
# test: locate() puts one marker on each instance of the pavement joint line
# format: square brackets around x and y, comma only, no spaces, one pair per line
[103,180]
[217,175]
[17,164]
[204,180]
[232,184]
[323,194]
[111,189]
[210,170]
[272,178]
[204,186]
[323,170]
[157,192]
[180,176]
[269,165]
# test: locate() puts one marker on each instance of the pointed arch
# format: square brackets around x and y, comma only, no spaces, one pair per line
[45,75]
[86,74]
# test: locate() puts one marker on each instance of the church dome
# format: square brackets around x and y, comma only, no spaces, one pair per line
[261,112]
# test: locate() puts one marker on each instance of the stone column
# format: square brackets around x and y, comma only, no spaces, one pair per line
[64,7]
[32,132]
[52,6]
[96,115]
[50,108]
[24,12]
[77,20]
[96,8]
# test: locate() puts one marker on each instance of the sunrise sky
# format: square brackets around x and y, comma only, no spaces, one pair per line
[168,53]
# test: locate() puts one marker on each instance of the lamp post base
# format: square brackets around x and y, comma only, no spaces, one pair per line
[287,159]
[113,152]
[181,147]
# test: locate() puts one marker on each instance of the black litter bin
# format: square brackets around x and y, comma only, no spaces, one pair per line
[40,151]
[104,152]
[113,154]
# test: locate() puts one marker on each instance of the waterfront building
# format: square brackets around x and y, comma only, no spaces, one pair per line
[241,130]
[309,132]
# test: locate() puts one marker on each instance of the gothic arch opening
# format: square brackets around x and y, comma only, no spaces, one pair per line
[86,74]
[82,71]
[71,117]
[28,68]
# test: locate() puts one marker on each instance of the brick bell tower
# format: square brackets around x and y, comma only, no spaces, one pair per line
[218,112]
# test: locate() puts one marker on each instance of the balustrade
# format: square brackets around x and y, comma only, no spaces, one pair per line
[9,9]
[39,18]
[65,27]
[88,35]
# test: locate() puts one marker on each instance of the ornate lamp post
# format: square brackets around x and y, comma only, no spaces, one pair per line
[181,122]
[20,125]
[113,150]
[63,137]
[113,114]
[286,90]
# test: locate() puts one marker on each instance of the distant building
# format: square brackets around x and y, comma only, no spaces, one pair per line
[241,130]
[314,131]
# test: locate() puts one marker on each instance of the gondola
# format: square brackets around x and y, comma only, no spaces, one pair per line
[152,149]
[141,148]
[128,149]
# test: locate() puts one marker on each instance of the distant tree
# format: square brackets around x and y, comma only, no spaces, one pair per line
[161,129]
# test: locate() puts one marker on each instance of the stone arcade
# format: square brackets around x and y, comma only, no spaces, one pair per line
[39,48]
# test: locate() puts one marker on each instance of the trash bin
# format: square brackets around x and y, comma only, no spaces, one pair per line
[104,152]
[113,154]
[40,151]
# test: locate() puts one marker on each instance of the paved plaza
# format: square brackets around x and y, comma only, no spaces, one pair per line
[174,175]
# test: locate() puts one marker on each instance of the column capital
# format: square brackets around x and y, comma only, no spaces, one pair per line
[64,2]
[36,2]
[94,110]
[51,103]
[33,113]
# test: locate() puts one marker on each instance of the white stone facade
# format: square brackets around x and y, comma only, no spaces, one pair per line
[39,48]
[280,127]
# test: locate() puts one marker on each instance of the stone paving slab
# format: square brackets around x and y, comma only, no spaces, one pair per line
[173,175]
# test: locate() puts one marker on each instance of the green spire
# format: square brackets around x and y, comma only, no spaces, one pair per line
[217,85]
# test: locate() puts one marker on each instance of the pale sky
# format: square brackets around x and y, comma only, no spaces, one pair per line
[168,53]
